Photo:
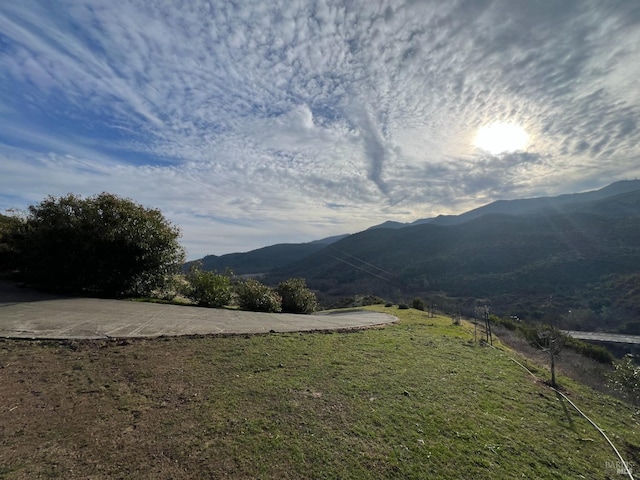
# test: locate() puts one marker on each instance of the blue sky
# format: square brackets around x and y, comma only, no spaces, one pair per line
[251,123]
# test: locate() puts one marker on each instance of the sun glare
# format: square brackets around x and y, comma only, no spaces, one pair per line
[497,138]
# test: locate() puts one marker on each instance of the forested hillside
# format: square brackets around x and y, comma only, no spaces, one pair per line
[262,260]
[585,259]
[573,259]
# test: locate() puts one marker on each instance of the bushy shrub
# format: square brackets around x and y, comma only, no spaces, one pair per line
[371,300]
[208,289]
[296,297]
[403,306]
[256,297]
[417,303]
[357,301]
[626,379]
[172,290]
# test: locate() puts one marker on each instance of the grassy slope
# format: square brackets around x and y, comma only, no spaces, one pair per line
[415,400]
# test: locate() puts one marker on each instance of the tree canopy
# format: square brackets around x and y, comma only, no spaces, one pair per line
[104,244]
[9,225]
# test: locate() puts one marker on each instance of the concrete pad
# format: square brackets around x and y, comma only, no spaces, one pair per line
[90,318]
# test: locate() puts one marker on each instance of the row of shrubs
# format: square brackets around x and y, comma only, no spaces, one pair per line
[212,289]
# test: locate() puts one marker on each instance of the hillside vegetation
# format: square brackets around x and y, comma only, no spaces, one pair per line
[573,260]
[517,263]
[258,261]
[262,260]
[416,400]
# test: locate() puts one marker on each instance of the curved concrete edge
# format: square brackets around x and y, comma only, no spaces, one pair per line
[86,318]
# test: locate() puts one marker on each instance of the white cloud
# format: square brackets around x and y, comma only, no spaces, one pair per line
[249,122]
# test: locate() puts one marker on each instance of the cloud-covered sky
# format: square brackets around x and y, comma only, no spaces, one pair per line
[250,123]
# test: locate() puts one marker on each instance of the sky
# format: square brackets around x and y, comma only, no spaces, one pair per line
[252,123]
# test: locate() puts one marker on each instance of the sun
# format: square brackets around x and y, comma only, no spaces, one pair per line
[499,137]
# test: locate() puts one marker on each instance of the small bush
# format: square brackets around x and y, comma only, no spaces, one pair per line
[371,300]
[256,297]
[418,304]
[175,286]
[403,306]
[208,289]
[296,297]
[626,379]
[357,301]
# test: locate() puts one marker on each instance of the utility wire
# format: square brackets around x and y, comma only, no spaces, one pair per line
[362,261]
[360,268]
[393,277]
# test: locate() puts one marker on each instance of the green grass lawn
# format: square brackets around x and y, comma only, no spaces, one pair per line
[418,399]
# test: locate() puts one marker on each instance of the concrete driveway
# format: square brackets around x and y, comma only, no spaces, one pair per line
[29,314]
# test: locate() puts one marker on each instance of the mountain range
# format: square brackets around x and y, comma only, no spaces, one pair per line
[573,259]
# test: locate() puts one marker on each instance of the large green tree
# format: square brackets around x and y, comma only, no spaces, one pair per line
[103,243]
[9,227]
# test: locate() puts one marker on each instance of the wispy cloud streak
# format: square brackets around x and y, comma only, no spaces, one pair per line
[244,117]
